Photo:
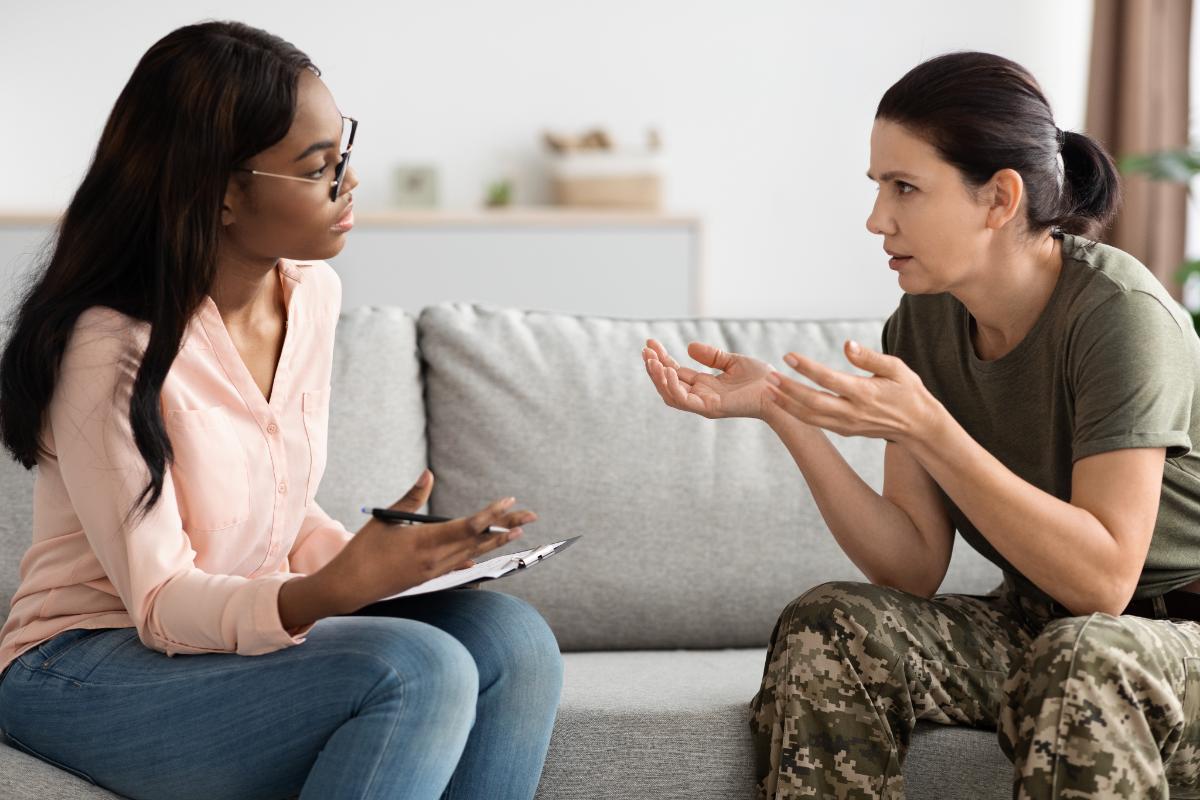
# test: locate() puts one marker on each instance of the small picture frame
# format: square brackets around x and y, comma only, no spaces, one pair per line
[416,186]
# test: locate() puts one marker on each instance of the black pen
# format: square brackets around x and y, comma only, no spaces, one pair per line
[389,515]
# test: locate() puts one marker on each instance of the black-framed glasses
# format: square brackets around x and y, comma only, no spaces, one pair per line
[347,144]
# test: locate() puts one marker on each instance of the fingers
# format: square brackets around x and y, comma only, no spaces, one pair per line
[871,361]
[831,379]
[417,496]
[671,389]
[660,353]
[710,356]
[802,401]
[480,521]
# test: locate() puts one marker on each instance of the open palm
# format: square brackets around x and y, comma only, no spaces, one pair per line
[737,390]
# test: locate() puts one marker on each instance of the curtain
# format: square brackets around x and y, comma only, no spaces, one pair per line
[1138,103]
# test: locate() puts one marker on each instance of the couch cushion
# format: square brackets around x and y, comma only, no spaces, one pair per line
[376,433]
[695,533]
[16,525]
[376,414]
[675,724]
[23,777]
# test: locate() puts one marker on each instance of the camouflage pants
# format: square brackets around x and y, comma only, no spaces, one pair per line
[1085,707]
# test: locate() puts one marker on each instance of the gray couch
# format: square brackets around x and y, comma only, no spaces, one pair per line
[695,533]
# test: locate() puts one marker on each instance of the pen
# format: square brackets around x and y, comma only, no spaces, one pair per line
[388,515]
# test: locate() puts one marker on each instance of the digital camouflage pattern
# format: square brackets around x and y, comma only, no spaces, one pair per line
[1086,707]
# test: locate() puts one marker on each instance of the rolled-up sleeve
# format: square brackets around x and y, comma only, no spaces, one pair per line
[149,559]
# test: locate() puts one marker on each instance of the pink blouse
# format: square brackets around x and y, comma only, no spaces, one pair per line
[237,518]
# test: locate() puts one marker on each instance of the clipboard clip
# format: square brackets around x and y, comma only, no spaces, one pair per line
[536,556]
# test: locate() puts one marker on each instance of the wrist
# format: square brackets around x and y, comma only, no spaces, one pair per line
[930,429]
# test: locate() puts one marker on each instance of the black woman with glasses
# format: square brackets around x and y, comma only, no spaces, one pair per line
[190,623]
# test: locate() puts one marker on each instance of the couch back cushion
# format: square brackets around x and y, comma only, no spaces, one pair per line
[376,433]
[376,414]
[696,533]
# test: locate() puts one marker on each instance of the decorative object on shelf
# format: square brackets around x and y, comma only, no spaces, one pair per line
[590,170]
[416,186]
[1174,166]
[499,194]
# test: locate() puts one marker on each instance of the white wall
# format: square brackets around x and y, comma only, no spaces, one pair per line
[765,105]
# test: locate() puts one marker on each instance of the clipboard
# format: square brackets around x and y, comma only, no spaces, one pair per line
[488,570]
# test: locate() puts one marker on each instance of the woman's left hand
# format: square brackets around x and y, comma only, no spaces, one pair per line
[892,403]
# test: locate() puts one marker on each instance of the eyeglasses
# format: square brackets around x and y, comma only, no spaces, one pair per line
[346,145]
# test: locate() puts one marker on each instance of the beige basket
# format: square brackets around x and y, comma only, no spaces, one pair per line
[643,192]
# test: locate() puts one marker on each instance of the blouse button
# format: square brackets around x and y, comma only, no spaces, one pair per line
[272,429]
[283,487]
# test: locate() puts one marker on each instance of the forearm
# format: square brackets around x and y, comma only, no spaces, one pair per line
[1062,548]
[875,533]
[304,600]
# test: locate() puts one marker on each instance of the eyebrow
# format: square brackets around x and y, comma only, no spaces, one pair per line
[889,176]
[315,147]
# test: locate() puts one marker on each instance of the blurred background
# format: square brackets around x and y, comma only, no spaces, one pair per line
[650,158]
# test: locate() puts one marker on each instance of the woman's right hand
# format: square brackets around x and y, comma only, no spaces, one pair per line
[739,390]
[384,559]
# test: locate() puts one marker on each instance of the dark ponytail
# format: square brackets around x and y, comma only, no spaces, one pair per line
[1093,187]
[984,113]
[141,233]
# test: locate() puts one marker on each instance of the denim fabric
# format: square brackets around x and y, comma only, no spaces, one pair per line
[448,695]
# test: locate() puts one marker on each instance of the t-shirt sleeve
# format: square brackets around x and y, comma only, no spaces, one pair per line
[1131,378]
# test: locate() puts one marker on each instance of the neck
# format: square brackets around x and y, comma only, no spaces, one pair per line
[1009,292]
[246,289]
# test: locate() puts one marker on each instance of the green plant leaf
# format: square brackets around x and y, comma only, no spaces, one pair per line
[1176,166]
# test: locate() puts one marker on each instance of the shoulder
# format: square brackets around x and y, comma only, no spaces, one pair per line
[1108,286]
[103,331]
[322,287]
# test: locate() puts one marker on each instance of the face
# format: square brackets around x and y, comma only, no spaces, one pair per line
[935,228]
[266,217]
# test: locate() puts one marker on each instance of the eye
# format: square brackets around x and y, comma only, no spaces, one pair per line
[905,188]
[317,173]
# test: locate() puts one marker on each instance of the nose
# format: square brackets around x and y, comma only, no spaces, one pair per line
[880,220]
[349,180]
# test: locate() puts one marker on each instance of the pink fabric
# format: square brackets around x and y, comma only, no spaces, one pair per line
[201,572]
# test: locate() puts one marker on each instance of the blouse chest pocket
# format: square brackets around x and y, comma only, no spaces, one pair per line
[315,406]
[210,473]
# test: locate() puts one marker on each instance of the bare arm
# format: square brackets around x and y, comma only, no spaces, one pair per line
[1086,553]
[902,538]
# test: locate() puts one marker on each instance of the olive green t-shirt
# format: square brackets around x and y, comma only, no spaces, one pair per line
[1113,362]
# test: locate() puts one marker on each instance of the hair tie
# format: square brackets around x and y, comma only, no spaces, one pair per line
[1061,135]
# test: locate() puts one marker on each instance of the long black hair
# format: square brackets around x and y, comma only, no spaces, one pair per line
[984,113]
[141,233]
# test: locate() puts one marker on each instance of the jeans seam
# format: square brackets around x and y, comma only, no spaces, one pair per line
[395,721]
[24,748]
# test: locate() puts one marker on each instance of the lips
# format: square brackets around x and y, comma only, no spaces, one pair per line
[346,222]
[897,260]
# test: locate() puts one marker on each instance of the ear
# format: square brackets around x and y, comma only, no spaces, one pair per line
[231,202]
[1003,195]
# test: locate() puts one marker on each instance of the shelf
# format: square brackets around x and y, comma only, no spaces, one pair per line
[517,216]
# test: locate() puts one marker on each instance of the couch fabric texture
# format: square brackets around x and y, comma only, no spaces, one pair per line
[695,533]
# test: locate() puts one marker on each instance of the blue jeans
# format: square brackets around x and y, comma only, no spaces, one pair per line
[447,695]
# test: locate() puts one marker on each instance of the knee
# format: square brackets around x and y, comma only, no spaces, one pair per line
[525,645]
[1097,649]
[430,668]
[832,607]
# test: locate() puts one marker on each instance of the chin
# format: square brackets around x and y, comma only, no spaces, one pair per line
[321,252]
